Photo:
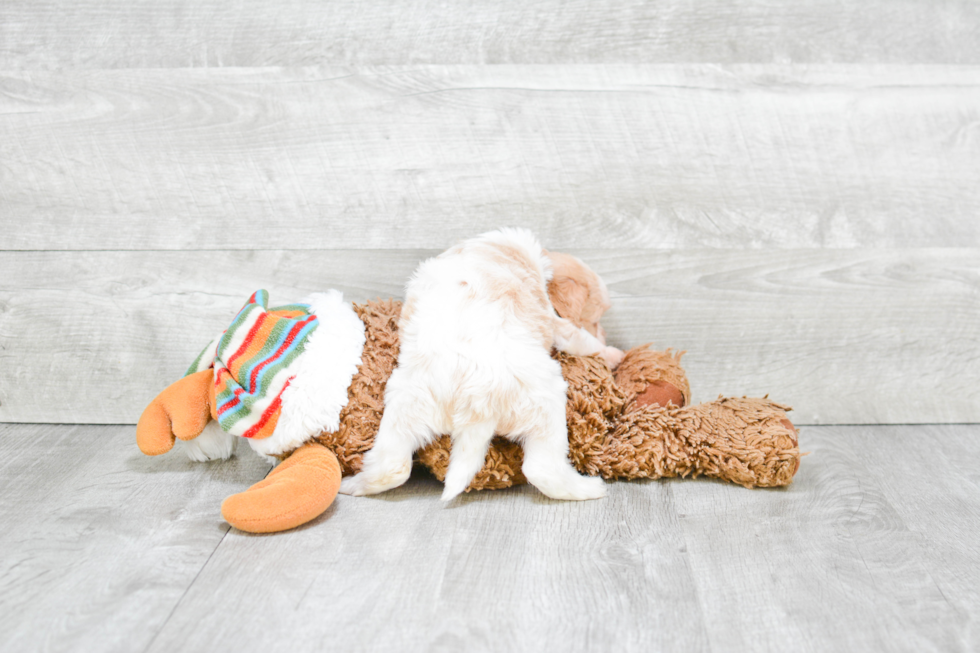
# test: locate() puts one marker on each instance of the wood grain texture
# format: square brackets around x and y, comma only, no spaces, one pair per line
[655,157]
[873,547]
[52,34]
[837,562]
[508,571]
[918,464]
[99,543]
[844,336]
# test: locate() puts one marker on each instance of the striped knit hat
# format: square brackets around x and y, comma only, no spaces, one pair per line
[281,375]
[254,362]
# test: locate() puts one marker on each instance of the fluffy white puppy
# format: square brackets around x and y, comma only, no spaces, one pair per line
[476,331]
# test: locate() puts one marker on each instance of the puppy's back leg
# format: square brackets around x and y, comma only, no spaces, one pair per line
[469,452]
[546,463]
[388,463]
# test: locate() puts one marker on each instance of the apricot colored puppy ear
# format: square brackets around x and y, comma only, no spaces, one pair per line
[568,297]
[299,490]
[182,411]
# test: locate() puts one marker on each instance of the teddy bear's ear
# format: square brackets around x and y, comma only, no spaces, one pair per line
[568,297]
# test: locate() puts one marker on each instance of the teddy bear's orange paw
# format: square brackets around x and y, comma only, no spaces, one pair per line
[661,393]
[182,411]
[300,489]
[796,442]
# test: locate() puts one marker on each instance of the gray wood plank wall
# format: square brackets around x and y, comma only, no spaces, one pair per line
[609,156]
[789,191]
[866,336]
[45,34]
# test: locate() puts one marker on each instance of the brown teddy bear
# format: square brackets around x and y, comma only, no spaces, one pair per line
[631,423]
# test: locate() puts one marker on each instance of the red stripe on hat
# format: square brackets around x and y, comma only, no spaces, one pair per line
[273,407]
[286,344]
[248,339]
[237,391]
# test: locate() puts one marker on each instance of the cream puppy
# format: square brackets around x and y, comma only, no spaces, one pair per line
[476,331]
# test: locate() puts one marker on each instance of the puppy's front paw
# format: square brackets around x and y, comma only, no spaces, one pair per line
[612,356]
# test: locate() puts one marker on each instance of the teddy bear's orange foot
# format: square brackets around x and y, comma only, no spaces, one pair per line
[661,393]
[300,489]
[182,411]
[796,441]
[654,378]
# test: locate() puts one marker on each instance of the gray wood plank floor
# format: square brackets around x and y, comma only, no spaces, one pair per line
[874,547]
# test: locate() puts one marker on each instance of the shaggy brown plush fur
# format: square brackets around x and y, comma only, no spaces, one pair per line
[359,420]
[613,430]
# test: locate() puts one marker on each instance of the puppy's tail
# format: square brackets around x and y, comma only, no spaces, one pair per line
[470,444]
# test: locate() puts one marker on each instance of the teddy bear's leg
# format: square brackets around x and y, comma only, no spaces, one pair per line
[747,441]
[750,442]
[181,411]
[653,377]
[298,490]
